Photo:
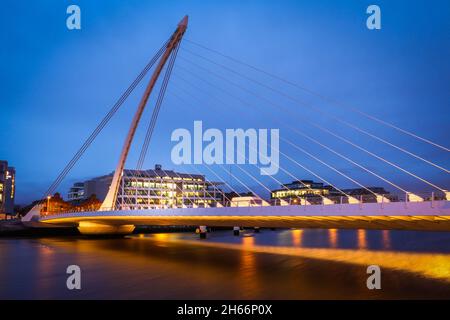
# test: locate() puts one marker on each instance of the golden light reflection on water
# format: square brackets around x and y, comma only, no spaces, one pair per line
[161,236]
[297,235]
[436,266]
[362,241]
[333,237]
[45,264]
[386,237]
[248,267]
[248,242]
[190,269]
[430,265]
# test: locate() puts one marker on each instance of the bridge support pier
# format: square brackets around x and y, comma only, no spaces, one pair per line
[202,232]
[236,231]
[93,228]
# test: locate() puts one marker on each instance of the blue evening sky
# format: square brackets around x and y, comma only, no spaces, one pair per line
[56,84]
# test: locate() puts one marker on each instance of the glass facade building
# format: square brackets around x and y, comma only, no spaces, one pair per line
[144,189]
[155,188]
[304,189]
[7,188]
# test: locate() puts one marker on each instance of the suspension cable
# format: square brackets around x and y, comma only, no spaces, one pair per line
[103,123]
[155,113]
[214,187]
[298,164]
[323,97]
[299,132]
[247,173]
[318,110]
[346,123]
[312,123]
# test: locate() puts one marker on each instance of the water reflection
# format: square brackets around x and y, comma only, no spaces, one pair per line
[435,266]
[297,237]
[432,265]
[362,241]
[386,237]
[45,264]
[288,264]
[333,238]
[248,269]
[161,236]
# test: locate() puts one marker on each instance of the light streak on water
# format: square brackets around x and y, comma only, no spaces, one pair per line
[431,265]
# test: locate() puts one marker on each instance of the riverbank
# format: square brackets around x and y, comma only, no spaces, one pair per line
[15,228]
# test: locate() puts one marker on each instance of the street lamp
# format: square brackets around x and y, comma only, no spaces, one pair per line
[48,204]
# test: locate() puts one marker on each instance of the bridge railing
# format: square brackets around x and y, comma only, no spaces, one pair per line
[310,201]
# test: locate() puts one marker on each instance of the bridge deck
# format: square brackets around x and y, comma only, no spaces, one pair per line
[397,215]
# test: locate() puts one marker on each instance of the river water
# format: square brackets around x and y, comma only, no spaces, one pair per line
[272,264]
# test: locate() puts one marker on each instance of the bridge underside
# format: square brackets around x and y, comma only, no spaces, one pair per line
[121,225]
[413,216]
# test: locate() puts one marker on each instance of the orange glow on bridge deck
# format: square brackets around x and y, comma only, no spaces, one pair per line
[348,222]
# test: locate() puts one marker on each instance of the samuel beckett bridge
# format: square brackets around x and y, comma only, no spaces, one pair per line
[374,210]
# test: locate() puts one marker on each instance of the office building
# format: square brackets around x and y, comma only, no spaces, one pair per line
[76,192]
[155,188]
[314,191]
[303,189]
[7,188]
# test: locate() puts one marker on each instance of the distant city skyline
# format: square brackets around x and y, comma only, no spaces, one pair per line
[56,84]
